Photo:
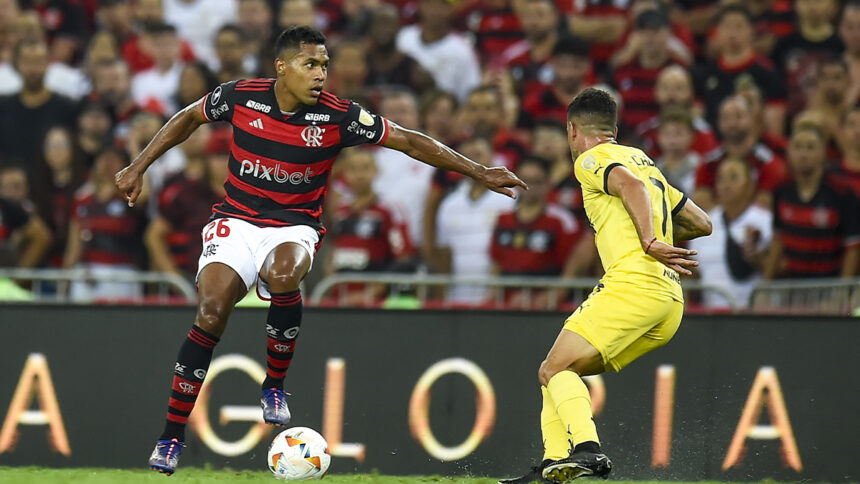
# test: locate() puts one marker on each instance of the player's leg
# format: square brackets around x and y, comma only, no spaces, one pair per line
[555,443]
[282,272]
[219,287]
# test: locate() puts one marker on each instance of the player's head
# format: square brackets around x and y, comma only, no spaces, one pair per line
[359,170]
[807,150]
[592,113]
[734,184]
[534,171]
[302,62]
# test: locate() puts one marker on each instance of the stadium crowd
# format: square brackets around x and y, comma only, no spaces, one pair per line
[750,108]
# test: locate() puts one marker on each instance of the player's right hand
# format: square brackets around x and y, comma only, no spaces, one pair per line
[675,258]
[129,182]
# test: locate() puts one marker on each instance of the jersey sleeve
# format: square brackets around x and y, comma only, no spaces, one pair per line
[593,172]
[218,105]
[677,198]
[359,126]
[13,215]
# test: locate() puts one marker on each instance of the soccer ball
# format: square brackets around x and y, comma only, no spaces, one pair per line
[299,454]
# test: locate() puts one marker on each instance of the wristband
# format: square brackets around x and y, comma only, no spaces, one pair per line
[649,244]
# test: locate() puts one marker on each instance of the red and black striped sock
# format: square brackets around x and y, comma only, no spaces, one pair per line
[188,375]
[282,330]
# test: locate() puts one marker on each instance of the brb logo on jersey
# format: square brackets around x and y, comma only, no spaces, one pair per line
[258,106]
[313,136]
[275,173]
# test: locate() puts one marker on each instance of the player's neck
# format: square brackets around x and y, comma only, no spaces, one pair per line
[593,140]
[286,101]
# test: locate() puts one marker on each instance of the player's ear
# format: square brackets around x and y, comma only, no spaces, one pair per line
[571,130]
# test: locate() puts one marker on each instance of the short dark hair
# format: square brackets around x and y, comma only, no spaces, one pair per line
[571,45]
[735,8]
[595,104]
[232,28]
[293,37]
[539,161]
[652,19]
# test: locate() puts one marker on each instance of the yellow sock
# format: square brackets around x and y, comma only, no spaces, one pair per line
[573,405]
[555,443]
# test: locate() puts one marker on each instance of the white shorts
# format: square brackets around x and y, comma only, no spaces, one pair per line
[244,247]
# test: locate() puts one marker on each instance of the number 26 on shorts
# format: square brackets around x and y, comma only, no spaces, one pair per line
[215,228]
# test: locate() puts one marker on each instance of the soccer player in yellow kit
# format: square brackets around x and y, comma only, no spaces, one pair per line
[637,305]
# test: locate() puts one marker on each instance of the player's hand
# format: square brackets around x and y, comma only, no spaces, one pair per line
[129,182]
[500,180]
[675,258]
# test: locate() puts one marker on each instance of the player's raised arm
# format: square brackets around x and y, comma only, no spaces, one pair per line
[690,222]
[424,148]
[129,181]
[623,184]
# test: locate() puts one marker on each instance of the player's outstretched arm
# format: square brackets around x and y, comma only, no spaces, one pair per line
[424,148]
[623,184]
[129,181]
[690,222]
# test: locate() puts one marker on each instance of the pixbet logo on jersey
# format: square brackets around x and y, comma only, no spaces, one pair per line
[275,173]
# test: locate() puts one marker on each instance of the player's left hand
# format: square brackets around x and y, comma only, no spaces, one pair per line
[676,258]
[500,180]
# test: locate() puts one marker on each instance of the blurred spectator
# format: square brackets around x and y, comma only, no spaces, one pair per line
[58,77]
[501,80]
[529,58]
[550,141]
[601,22]
[402,180]
[648,50]
[117,18]
[438,109]
[849,168]
[536,238]
[739,140]
[386,65]
[93,132]
[849,33]
[570,72]
[829,94]
[798,55]
[678,162]
[483,116]
[348,70]
[733,256]
[138,50]
[105,234]
[447,56]
[101,48]
[297,12]
[494,27]
[674,90]
[464,227]
[198,20]
[747,89]
[351,20]
[23,233]
[230,49]
[9,12]
[255,19]
[28,115]
[816,216]
[65,174]
[715,80]
[366,235]
[65,25]
[194,82]
[157,86]
[112,87]
[173,237]
[15,187]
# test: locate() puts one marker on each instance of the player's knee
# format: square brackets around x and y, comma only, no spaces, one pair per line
[212,315]
[284,278]
[546,372]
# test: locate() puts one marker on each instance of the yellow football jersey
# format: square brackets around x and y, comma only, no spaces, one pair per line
[617,242]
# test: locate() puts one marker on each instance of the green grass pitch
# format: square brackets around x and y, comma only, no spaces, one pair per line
[39,475]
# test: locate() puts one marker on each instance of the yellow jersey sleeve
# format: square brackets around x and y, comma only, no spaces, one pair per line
[677,199]
[592,171]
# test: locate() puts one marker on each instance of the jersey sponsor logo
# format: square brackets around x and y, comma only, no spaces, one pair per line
[257,123]
[180,369]
[292,333]
[271,330]
[274,173]
[216,96]
[258,106]
[200,373]
[216,112]
[317,117]
[365,118]
[313,136]
[355,128]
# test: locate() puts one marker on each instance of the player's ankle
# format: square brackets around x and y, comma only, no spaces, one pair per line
[588,446]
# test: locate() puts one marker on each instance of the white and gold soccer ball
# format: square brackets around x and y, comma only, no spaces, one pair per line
[299,454]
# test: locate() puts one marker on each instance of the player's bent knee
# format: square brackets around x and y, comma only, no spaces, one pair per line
[212,315]
[546,372]
[284,281]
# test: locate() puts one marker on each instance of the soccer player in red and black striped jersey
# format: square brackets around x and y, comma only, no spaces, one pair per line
[286,134]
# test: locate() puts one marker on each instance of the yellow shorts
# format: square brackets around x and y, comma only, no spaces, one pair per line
[623,322]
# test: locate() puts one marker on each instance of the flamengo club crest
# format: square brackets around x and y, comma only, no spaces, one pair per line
[313,136]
